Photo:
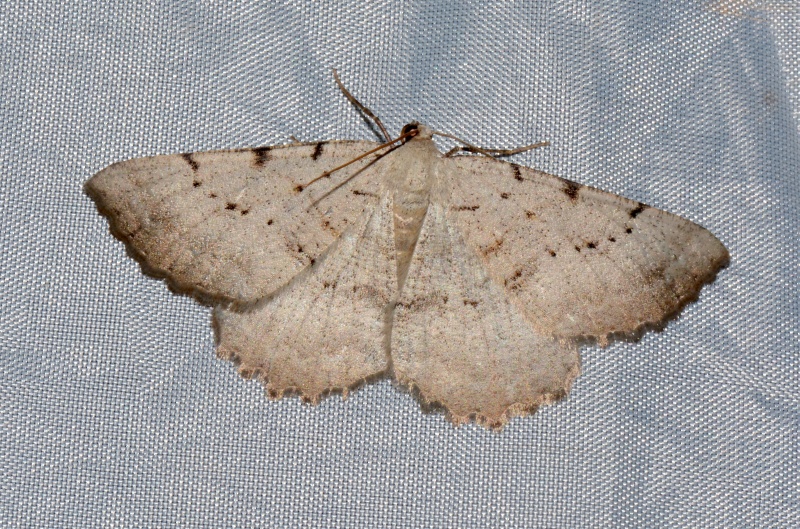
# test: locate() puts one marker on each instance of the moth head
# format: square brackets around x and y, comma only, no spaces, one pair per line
[422,132]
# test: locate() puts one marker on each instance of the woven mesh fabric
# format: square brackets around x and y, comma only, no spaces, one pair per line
[115,411]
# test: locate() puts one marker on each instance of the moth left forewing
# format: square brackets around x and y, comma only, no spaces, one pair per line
[578,261]
[234,225]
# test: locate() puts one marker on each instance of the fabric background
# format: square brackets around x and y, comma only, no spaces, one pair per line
[115,411]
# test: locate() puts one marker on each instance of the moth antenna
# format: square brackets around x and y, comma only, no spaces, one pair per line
[468,147]
[361,107]
[327,173]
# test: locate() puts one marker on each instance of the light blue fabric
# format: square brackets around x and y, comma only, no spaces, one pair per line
[115,411]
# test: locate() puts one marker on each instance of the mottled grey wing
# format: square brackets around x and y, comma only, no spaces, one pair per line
[461,342]
[235,225]
[326,330]
[578,261]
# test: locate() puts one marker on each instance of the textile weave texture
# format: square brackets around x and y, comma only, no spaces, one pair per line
[115,411]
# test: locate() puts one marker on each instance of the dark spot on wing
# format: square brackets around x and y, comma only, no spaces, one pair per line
[577,249]
[245,211]
[327,284]
[530,214]
[513,282]
[571,190]
[261,156]
[317,150]
[470,302]
[503,195]
[197,183]
[591,245]
[612,239]
[269,222]
[212,195]
[654,276]
[445,299]
[188,157]
[359,193]
[466,208]
[628,230]
[298,188]
[517,174]
[493,248]
[326,224]
[638,209]
[551,252]
[230,206]
[299,249]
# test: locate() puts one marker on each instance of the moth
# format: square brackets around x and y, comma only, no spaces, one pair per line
[471,280]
